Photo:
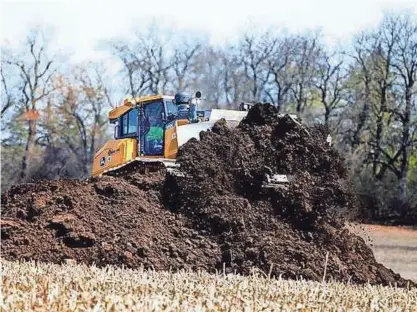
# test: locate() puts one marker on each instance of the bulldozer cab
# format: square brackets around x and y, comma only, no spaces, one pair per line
[147,122]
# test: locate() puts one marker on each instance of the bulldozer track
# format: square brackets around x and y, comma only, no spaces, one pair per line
[142,165]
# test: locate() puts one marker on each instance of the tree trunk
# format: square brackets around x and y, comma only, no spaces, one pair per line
[279,102]
[379,130]
[363,116]
[327,115]
[404,155]
[30,144]
[299,100]
[403,194]
[378,137]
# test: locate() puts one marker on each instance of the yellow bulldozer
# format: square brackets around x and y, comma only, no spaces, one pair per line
[150,129]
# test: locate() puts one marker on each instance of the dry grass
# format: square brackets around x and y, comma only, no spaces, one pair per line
[395,247]
[46,287]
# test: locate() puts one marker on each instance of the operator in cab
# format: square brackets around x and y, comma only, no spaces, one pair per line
[186,108]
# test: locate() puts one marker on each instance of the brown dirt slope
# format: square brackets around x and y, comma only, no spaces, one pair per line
[218,212]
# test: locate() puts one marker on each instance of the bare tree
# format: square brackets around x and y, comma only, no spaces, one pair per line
[147,62]
[134,68]
[157,62]
[361,72]
[94,97]
[308,48]
[211,72]
[329,82]
[35,73]
[183,64]
[233,78]
[382,58]
[82,108]
[253,53]
[280,64]
[7,100]
[405,66]
[222,78]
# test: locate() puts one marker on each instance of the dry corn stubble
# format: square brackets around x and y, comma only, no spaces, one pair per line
[48,287]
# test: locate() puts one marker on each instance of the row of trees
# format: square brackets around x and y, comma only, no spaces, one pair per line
[53,118]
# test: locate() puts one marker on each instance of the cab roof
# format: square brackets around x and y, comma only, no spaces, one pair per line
[128,104]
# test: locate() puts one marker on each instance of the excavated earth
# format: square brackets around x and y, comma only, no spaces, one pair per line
[216,215]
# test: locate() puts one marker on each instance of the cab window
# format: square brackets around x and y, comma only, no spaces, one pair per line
[171,108]
[125,124]
[133,121]
[130,122]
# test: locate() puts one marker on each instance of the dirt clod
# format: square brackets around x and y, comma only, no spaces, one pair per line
[220,212]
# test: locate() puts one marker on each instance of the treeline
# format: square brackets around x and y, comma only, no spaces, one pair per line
[54,114]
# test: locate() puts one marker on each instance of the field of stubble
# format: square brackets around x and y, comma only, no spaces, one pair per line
[44,287]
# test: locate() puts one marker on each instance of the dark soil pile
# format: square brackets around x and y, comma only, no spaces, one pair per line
[217,213]
[104,220]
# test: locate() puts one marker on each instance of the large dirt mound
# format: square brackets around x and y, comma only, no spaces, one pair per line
[103,221]
[218,212]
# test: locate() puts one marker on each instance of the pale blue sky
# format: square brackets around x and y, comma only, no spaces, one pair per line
[81,24]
